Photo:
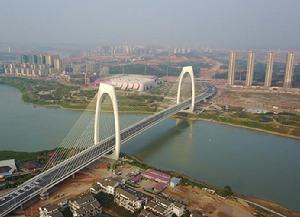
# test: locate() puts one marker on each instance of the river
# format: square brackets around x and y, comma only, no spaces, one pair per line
[251,162]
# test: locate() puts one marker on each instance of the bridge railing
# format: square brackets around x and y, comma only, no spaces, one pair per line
[93,152]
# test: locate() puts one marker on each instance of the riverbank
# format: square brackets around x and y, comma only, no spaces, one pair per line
[262,207]
[215,149]
[275,124]
[251,128]
[53,94]
[284,126]
[192,192]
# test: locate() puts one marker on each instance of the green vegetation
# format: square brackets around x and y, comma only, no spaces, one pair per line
[160,70]
[282,123]
[135,162]
[225,192]
[53,93]
[190,182]
[42,92]
[105,199]
[24,156]
[186,214]
[13,182]
[67,212]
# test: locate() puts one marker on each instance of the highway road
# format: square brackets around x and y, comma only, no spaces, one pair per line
[67,168]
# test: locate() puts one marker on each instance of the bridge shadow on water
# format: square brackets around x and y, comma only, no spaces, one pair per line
[153,140]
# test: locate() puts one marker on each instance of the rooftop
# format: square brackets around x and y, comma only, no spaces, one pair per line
[7,166]
[163,201]
[146,213]
[129,193]
[133,78]
[50,208]
[155,207]
[5,169]
[154,174]
[83,199]
[108,182]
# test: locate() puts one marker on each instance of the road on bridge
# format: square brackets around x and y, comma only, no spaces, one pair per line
[67,168]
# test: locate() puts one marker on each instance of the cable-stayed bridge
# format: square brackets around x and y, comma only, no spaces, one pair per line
[98,148]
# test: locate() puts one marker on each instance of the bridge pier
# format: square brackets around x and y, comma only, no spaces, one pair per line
[44,195]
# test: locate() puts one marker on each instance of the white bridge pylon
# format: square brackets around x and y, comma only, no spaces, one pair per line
[189,70]
[110,91]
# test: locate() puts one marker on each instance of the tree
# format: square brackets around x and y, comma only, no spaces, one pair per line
[226,191]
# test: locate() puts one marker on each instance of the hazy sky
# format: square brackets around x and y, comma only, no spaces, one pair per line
[214,23]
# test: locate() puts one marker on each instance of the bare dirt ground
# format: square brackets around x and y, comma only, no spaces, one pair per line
[248,99]
[208,74]
[194,197]
[72,186]
[276,207]
[208,203]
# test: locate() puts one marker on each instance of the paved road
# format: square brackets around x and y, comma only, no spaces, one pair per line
[65,169]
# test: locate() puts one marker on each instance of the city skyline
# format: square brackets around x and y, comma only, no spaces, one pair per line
[230,24]
[149,108]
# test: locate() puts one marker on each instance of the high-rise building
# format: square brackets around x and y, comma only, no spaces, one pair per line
[57,63]
[49,60]
[250,68]
[33,59]
[40,59]
[231,67]
[289,70]
[24,59]
[269,69]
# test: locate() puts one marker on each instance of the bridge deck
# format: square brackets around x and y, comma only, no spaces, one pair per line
[65,169]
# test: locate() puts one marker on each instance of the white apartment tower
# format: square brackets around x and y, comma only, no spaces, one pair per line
[250,68]
[289,70]
[231,67]
[269,69]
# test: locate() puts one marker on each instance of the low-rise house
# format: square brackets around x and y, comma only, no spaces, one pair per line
[157,209]
[129,198]
[174,181]
[160,206]
[156,176]
[159,187]
[178,209]
[95,189]
[85,206]
[165,207]
[167,204]
[146,213]
[50,211]
[108,185]
[135,178]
